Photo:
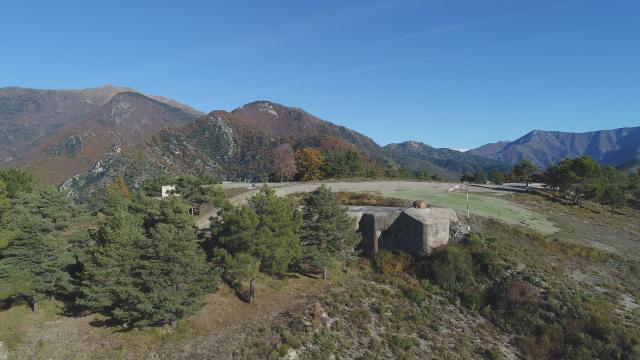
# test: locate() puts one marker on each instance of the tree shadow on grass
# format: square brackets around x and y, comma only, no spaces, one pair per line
[115,325]
[237,288]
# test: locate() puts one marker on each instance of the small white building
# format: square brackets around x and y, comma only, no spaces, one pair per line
[168,190]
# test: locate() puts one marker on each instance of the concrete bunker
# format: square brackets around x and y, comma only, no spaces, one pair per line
[416,231]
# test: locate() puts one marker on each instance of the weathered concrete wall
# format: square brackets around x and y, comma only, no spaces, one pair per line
[371,222]
[414,231]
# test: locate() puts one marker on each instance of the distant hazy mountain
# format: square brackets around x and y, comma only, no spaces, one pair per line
[545,148]
[489,149]
[59,133]
[444,162]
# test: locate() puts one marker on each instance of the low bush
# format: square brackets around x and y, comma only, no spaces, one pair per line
[475,240]
[401,344]
[451,268]
[415,294]
[493,354]
[349,198]
[391,263]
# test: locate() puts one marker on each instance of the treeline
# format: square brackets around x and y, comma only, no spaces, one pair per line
[309,164]
[583,178]
[525,171]
[144,263]
[574,179]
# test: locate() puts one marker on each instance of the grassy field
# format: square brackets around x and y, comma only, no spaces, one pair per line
[590,224]
[486,206]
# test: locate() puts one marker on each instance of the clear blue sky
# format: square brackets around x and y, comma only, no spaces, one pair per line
[450,73]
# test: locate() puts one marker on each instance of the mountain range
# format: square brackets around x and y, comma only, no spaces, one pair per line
[445,162]
[59,133]
[85,138]
[545,148]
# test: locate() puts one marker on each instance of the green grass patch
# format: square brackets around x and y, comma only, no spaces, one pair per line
[15,321]
[481,205]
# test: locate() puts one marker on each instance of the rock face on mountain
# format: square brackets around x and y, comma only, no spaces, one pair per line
[240,143]
[445,162]
[59,133]
[232,145]
[545,148]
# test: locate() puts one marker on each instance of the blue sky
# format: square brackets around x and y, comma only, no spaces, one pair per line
[446,72]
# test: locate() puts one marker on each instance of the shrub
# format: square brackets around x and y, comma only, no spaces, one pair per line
[402,343]
[493,354]
[350,198]
[476,241]
[474,297]
[450,269]
[415,294]
[391,263]
[281,350]
[360,317]
[293,339]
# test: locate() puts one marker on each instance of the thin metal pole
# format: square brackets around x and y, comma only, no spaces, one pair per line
[468,214]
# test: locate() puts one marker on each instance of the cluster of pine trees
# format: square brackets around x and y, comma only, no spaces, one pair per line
[524,171]
[583,178]
[143,262]
[271,235]
[34,254]
[576,179]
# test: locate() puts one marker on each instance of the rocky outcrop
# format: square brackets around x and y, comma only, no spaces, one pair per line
[70,148]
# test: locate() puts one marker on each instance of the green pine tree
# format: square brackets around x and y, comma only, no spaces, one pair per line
[328,231]
[173,276]
[267,228]
[524,171]
[244,267]
[277,242]
[49,203]
[33,258]
[145,268]
[17,181]
[108,279]
[5,203]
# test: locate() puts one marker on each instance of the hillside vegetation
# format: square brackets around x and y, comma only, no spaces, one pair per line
[136,279]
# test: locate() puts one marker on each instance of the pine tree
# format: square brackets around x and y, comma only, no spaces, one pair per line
[634,188]
[49,203]
[244,267]
[33,261]
[173,276]
[524,171]
[5,203]
[17,181]
[145,269]
[113,256]
[328,231]
[267,228]
[278,231]
[615,184]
